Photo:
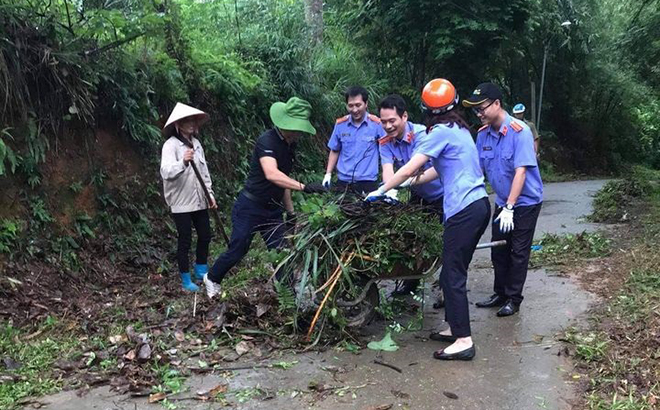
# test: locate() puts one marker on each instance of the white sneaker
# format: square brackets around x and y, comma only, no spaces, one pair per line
[212,288]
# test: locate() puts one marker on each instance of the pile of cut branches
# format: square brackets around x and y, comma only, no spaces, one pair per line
[341,243]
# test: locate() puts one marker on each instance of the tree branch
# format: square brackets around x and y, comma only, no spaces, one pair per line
[68,18]
[112,45]
[639,12]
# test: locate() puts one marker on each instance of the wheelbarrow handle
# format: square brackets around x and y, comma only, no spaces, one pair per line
[491,244]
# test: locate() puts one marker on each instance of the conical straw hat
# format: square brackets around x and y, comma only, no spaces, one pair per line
[181,111]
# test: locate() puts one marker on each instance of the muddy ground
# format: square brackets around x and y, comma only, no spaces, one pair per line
[519,363]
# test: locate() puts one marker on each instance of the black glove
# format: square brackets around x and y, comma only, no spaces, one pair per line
[314,188]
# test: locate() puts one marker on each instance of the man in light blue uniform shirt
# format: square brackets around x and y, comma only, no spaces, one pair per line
[396,149]
[354,145]
[507,156]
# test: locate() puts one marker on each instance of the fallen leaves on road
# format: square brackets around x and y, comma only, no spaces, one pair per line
[243,347]
[450,395]
[156,397]
[380,407]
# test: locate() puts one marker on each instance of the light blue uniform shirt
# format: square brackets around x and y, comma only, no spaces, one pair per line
[398,153]
[454,157]
[358,148]
[501,152]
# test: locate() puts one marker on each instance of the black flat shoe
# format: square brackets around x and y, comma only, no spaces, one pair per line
[493,301]
[467,354]
[509,308]
[442,338]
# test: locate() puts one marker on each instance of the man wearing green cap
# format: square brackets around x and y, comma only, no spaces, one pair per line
[267,191]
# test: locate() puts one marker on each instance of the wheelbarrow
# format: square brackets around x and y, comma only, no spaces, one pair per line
[362,309]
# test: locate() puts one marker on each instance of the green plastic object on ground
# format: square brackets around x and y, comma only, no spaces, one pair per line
[386,344]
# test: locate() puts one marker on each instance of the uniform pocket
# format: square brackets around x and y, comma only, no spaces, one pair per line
[366,139]
[487,155]
[486,158]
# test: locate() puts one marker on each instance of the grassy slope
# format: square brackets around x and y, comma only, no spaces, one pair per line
[619,354]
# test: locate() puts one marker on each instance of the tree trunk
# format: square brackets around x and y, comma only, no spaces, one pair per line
[314,18]
[177,47]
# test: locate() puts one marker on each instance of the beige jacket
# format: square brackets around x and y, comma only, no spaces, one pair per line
[182,190]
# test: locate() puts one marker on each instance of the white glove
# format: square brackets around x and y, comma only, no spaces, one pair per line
[506,220]
[326,180]
[407,183]
[392,193]
[375,195]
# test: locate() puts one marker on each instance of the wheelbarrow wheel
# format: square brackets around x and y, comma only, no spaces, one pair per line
[363,313]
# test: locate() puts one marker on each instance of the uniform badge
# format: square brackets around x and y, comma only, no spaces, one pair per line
[487,148]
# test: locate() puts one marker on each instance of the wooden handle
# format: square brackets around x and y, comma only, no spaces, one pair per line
[214,212]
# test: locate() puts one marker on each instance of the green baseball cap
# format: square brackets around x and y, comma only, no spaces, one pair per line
[292,115]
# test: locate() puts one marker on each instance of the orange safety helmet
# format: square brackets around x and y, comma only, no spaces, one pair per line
[439,96]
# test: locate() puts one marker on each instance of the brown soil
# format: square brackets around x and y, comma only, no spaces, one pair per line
[113,289]
[118,157]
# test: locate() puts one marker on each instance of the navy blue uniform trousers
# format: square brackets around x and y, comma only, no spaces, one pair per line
[510,262]
[461,236]
[249,217]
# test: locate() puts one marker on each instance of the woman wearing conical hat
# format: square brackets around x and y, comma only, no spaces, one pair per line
[182,190]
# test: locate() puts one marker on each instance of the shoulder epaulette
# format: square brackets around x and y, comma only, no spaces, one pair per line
[374,118]
[384,140]
[483,128]
[342,119]
[517,127]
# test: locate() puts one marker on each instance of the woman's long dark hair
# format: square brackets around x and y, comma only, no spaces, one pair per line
[449,118]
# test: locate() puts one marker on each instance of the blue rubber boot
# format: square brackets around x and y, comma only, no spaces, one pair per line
[200,271]
[187,282]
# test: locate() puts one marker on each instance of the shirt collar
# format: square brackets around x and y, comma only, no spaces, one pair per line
[408,134]
[503,130]
[350,120]
[192,140]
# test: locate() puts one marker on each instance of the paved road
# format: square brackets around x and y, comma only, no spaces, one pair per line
[517,364]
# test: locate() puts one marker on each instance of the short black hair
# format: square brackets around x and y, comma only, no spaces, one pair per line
[355,91]
[393,101]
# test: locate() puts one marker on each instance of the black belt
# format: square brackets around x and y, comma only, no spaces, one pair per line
[270,204]
[251,197]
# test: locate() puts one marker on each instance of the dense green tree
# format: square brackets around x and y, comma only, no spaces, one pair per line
[129,61]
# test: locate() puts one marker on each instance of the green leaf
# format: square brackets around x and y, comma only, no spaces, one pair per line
[285,365]
[386,344]
[72,242]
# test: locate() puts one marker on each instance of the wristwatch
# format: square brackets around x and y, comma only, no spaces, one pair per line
[508,207]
